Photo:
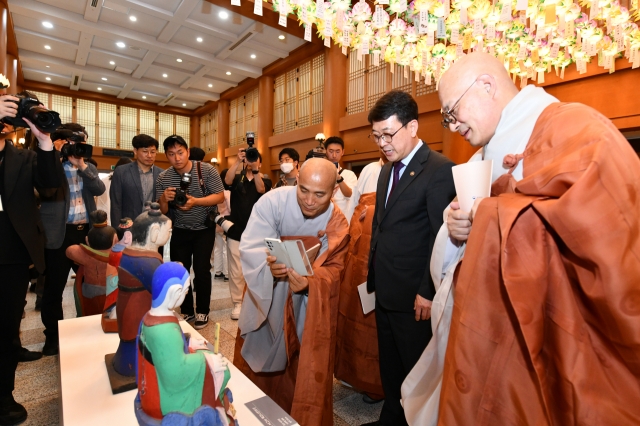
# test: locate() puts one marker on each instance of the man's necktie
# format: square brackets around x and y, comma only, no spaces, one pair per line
[397,166]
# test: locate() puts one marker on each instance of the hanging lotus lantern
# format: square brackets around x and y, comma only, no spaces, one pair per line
[361,12]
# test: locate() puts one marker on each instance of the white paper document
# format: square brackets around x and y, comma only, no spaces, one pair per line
[472,180]
[367,299]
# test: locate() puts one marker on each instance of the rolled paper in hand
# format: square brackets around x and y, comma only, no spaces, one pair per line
[216,338]
[472,180]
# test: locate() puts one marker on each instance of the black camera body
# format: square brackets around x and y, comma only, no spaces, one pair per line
[45,120]
[252,154]
[76,146]
[181,193]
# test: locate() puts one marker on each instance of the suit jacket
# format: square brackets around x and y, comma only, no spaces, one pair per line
[24,170]
[126,192]
[403,232]
[54,207]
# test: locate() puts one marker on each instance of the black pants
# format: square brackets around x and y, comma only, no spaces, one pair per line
[401,341]
[58,265]
[13,291]
[199,244]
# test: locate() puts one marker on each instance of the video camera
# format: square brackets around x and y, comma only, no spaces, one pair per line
[30,108]
[252,153]
[317,152]
[181,193]
[76,146]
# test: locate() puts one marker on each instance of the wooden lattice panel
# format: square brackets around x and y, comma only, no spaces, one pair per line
[107,125]
[128,126]
[356,84]
[251,112]
[42,97]
[234,138]
[86,116]
[278,104]
[304,95]
[63,105]
[148,124]
[424,89]
[377,83]
[317,88]
[401,79]
[290,100]
[183,127]
[166,126]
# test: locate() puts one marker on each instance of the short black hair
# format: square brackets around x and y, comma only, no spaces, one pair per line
[292,153]
[122,161]
[196,154]
[142,223]
[395,102]
[144,141]
[100,237]
[174,140]
[334,140]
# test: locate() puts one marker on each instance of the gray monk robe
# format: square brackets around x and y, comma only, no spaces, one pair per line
[280,330]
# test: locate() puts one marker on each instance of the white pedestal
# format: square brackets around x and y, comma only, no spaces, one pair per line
[84,384]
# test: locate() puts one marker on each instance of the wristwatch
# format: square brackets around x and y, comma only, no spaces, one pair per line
[340,179]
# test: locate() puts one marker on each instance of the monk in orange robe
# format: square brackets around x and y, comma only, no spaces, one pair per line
[286,338]
[544,328]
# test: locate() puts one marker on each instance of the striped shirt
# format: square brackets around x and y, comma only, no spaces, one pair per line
[192,219]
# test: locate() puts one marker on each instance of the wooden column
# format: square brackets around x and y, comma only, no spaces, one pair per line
[4,12]
[456,148]
[223,133]
[335,90]
[265,120]
[12,73]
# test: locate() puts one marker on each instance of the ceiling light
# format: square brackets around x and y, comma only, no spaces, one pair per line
[223,15]
[210,85]
[253,56]
[228,72]
[281,36]
[165,75]
[47,66]
[111,63]
[46,46]
[178,60]
[199,39]
[48,78]
[104,78]
[184,104]
[99,88]
[144,97]
[47,24]
[120,44]
[133,18]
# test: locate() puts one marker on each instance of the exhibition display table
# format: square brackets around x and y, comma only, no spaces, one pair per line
[86,393]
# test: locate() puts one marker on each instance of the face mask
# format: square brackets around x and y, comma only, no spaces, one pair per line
[286,167]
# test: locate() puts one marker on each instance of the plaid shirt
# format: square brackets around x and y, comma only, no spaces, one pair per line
[77,210]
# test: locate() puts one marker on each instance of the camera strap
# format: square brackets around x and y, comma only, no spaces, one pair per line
[201,180]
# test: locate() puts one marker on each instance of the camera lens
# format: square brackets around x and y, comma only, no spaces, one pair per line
[45,120]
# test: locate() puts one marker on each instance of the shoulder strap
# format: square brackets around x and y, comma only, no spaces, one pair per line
[200,179]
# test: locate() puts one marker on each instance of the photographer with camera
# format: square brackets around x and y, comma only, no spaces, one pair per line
[188,193]
[246,189]
[65,214]
[21,240]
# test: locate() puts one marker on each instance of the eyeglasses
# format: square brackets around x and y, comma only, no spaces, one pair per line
[447,116]
[385,137]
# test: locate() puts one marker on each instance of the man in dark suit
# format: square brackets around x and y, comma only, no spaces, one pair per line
[134,184]
[65,214]
[21,243]
[414,188]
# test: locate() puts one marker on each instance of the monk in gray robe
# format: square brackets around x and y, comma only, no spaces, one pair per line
[286,337]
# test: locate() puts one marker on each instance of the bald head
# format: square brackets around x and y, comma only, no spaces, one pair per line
[476,89]
[316,186]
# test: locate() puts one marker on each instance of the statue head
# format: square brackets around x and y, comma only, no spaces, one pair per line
[169,286]
[151,229]
[101,236]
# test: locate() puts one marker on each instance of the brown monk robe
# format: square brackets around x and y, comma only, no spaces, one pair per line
[357,361]
[286,330]
[545,326]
